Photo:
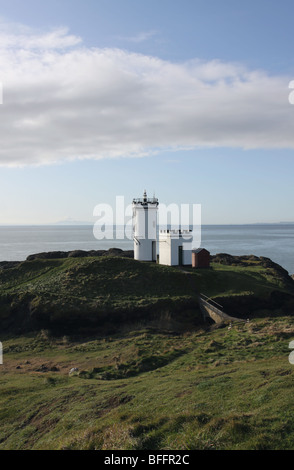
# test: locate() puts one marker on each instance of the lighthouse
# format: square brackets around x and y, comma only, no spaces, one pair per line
[145,228]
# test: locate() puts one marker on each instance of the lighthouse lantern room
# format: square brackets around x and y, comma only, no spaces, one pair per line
[145,228]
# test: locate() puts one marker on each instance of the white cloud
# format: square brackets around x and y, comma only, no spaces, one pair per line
[63,101]
[140,37]
[20,36]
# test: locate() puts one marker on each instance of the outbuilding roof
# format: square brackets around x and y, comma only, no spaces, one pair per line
[197,250]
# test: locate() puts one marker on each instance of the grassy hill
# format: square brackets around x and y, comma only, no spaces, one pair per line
[89,292]
[95,292]
[150,373]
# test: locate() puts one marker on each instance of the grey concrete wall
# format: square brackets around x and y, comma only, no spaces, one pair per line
[216,314]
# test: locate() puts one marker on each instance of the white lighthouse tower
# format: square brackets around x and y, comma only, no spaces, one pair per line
[145,228]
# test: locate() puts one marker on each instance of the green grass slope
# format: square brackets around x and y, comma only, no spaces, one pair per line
[77,292]
[209,389]
[94,291]
[162,379]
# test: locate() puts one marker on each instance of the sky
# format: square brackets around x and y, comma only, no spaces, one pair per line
[188,99]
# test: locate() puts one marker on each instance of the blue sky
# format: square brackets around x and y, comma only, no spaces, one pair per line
[188,99]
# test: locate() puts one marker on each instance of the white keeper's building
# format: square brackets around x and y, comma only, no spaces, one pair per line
[174,249]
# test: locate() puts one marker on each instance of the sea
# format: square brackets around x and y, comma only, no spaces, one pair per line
[274,241]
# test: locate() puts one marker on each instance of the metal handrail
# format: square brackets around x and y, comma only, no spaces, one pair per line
[211,300]
[212,307]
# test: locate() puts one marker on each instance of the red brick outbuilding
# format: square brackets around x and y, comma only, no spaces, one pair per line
[200,258]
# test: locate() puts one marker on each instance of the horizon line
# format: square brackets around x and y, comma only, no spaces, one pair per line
[89,224]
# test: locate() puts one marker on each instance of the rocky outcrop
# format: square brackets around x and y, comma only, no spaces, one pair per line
[81,254]
[231,260]
[251,260]
[247,260]
[8,264]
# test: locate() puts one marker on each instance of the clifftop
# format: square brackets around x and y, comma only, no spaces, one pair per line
[252,260]
[82,290]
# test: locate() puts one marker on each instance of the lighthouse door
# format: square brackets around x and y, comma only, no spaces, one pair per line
[180,256]
[153,251]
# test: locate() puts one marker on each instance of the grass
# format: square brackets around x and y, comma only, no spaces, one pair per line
[159,379]
[207,389]
[225,281]
[87,292]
